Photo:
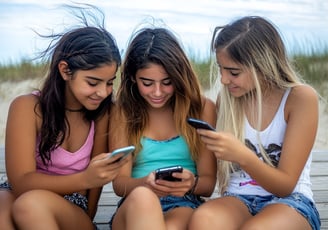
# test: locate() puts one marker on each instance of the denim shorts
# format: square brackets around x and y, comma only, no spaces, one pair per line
[75,198]
[170,202]
[297,201]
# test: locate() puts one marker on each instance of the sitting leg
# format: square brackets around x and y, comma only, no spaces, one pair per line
[220,213]
[6,201]
[141,210]
[277,216]
[41,209]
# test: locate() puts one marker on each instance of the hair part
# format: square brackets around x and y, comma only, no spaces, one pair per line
[159,46]
[83,48]
[256,44]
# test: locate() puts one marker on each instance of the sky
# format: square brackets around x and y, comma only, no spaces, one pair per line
[303,23]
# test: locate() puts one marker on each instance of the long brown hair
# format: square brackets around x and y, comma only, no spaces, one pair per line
[159,46]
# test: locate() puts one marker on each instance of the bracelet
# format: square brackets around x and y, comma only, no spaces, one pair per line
[192,190]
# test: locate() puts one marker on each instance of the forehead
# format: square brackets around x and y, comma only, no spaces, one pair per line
[103,71]
[223,58]
[152,72]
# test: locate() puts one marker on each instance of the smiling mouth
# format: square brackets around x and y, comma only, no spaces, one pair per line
[97,101]
[160,100]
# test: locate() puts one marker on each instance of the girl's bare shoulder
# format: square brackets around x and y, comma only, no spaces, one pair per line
[24,102]
[302,95]
[303,100]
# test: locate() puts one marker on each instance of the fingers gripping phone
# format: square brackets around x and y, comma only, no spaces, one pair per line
[166,173]
[199,124]
[125,150]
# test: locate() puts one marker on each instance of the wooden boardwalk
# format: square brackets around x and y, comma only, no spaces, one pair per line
[319,179]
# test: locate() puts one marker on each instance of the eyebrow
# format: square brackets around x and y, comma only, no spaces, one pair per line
[230,68]
[147,79]
[99,79]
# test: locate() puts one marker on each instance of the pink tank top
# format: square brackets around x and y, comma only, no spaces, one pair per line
[64,162]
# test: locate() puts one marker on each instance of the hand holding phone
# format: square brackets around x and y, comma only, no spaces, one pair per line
[166,173]
[199,124]
[125,150]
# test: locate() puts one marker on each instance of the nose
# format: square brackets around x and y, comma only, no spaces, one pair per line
[103,90]
[158,89]
[225,80]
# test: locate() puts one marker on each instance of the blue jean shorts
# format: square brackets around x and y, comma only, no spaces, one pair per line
[188,200]
[170,202]
[297,201]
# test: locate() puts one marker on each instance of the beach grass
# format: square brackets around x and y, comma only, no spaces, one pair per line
[21,70]
[312,66]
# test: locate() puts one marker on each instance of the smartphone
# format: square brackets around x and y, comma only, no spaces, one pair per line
[199,124]
[125,150]
[166,173]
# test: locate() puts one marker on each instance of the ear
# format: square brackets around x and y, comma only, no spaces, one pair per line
[64,70]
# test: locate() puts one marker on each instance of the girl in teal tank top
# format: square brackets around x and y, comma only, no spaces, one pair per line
[158,92]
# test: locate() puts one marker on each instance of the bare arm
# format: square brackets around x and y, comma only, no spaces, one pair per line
[117,138]
[21,133]
[206,164]
[100,146]
[301,114]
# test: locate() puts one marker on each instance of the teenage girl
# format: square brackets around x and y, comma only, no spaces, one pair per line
[52,134]
[158,92]
[267,123]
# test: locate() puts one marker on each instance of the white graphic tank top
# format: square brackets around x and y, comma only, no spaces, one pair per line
[272,140]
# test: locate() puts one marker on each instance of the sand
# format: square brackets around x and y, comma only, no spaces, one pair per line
[9,90]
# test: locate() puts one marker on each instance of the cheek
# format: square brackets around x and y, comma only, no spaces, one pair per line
[249,83]
[109,90]
[143,90]
[170,90]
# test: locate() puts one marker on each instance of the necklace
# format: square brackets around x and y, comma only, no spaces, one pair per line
[74,110]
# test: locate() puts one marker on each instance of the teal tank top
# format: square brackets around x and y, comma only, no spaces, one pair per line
[157,154]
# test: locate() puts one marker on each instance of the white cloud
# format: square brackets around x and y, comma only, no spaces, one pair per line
[192,20]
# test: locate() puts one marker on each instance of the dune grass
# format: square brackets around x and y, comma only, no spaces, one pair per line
[312,66]
[22,70]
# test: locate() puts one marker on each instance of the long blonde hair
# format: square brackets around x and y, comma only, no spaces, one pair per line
[255,43]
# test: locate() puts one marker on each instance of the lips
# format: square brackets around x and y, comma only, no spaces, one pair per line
[96,101]
[157,100]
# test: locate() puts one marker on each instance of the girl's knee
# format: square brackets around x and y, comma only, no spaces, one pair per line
[29,202]
[142,196]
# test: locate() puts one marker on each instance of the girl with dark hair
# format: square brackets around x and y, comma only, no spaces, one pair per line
[56,138]
[158,92]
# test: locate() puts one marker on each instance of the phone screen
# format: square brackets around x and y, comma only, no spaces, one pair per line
[199,124]
[166,173]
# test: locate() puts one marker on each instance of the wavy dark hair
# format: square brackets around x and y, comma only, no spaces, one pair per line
[159,46]
[83,48]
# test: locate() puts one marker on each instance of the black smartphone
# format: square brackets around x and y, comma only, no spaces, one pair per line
[199,124]
[125,150]
[166,173]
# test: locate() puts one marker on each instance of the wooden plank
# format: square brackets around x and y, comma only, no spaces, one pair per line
[320,196]
[104,214]
[324,225]
[320,155]
[320,183]
[319,168]
[319,179]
